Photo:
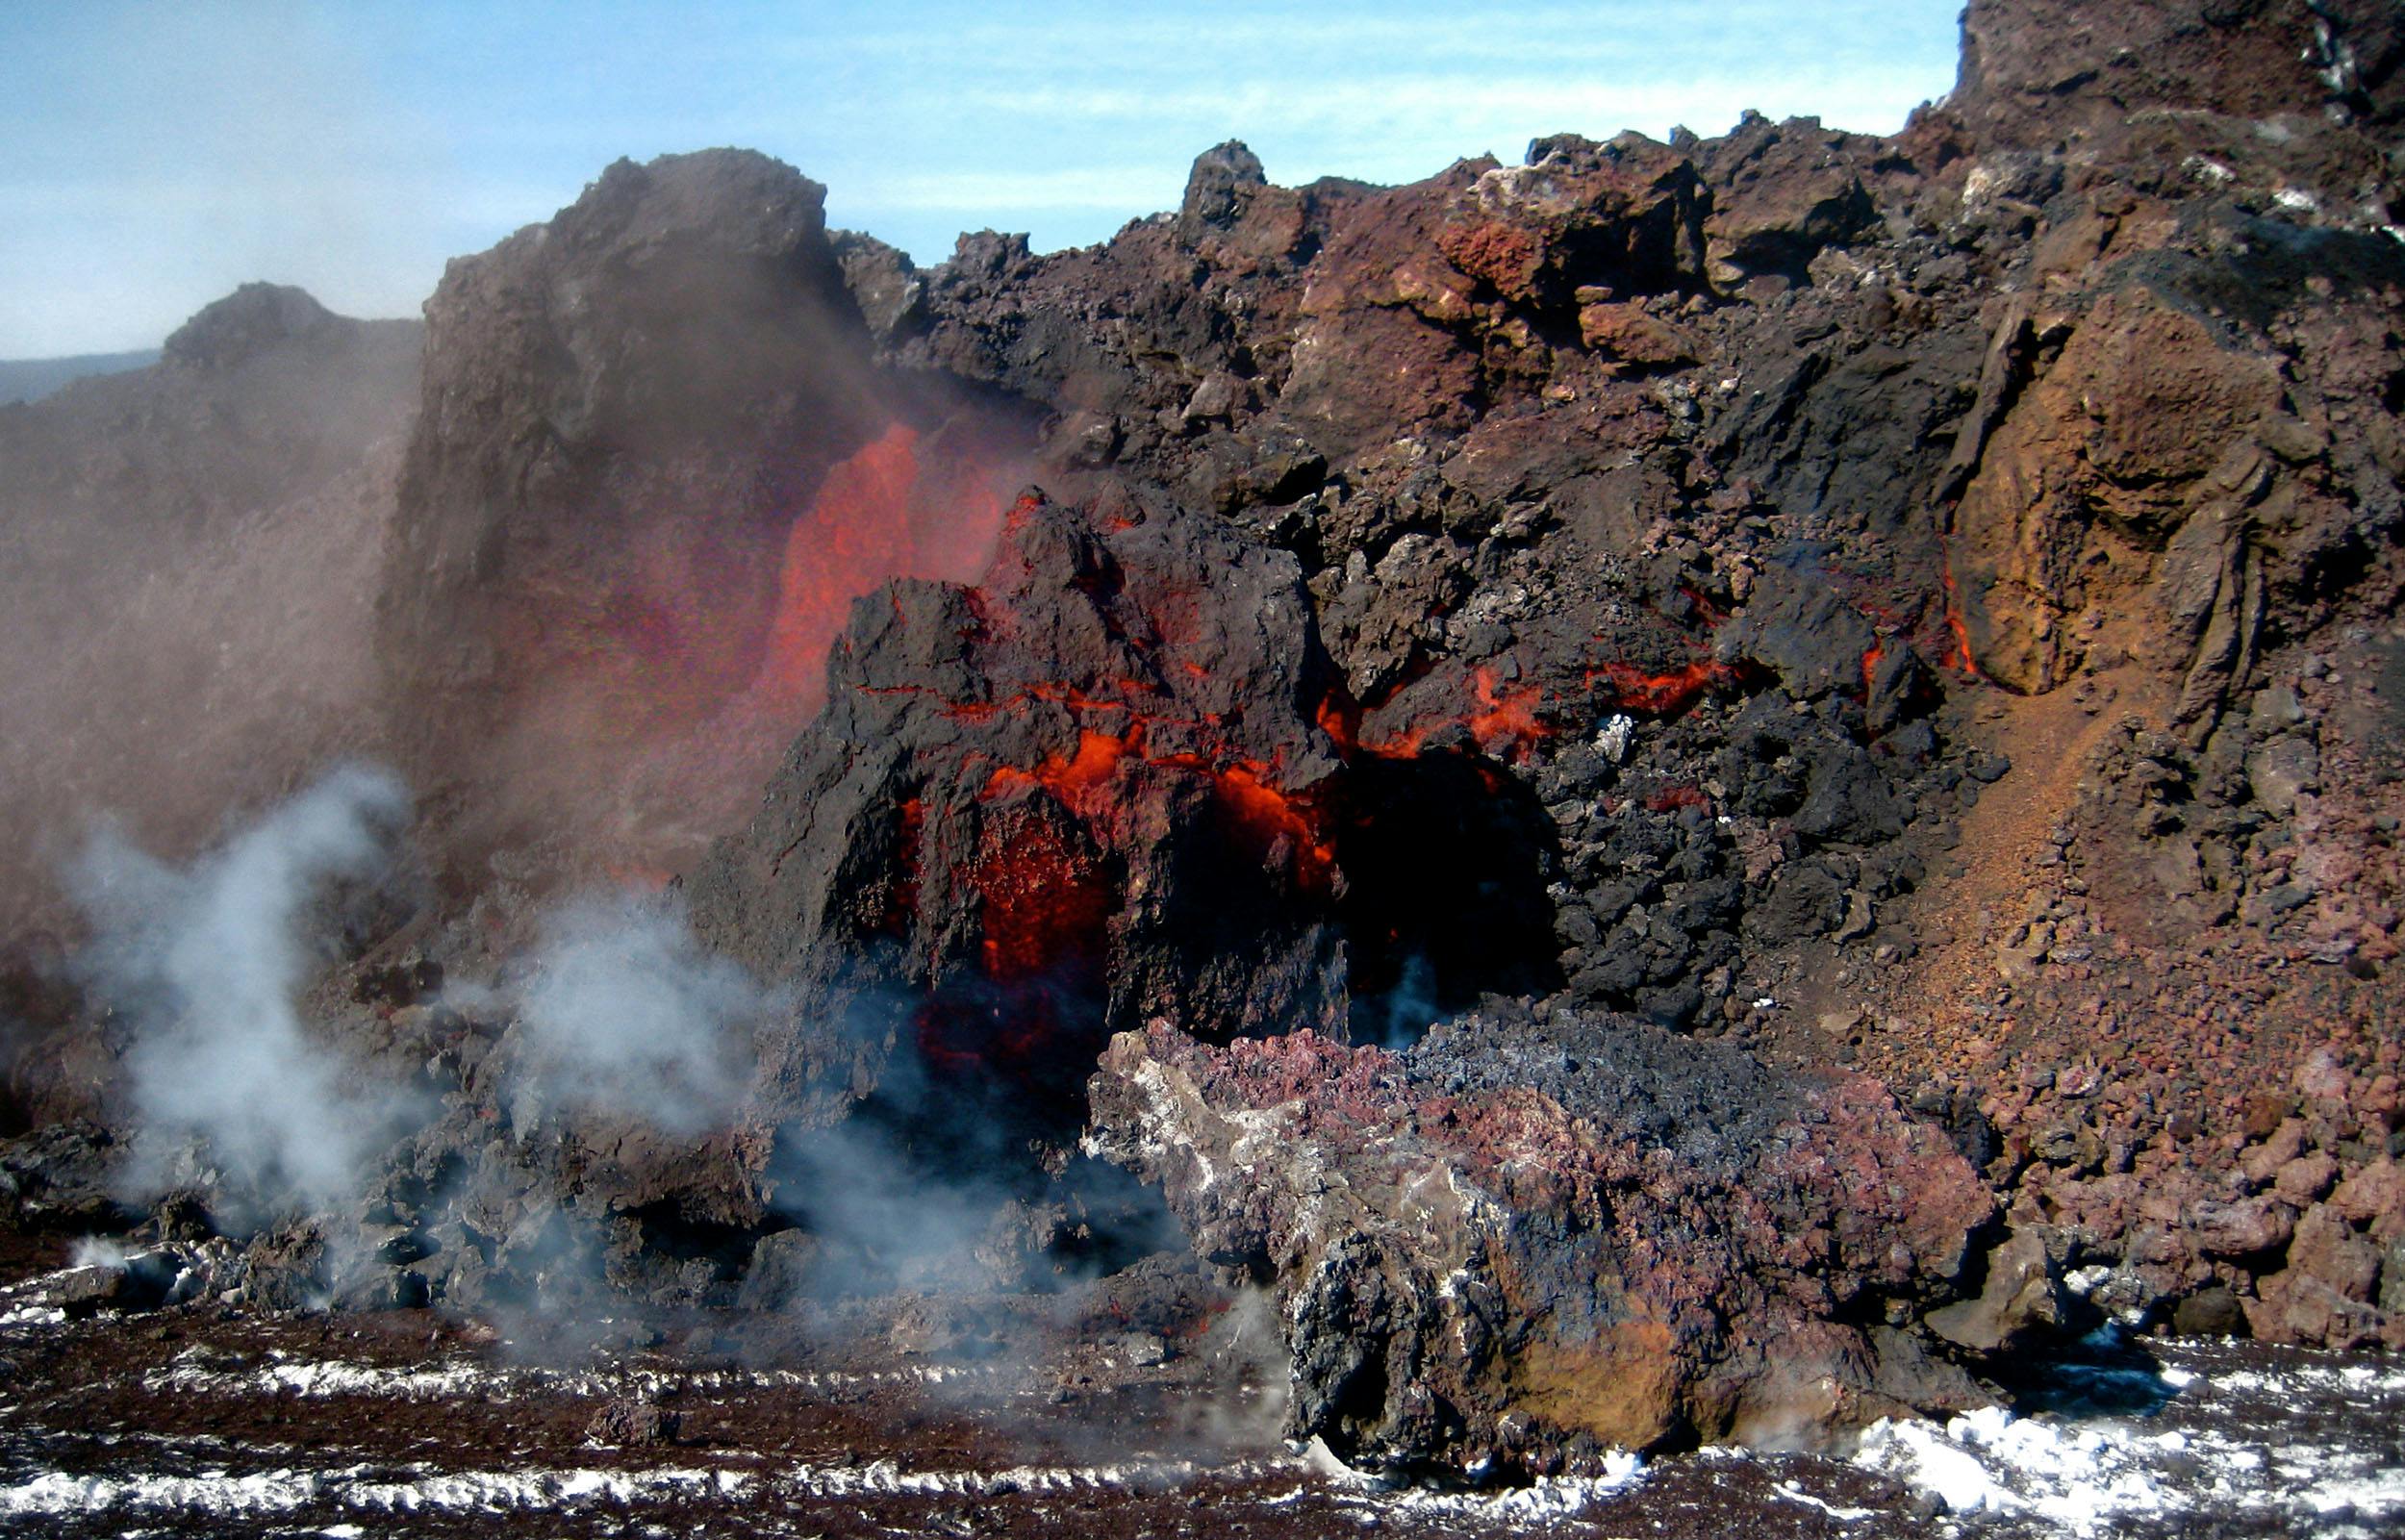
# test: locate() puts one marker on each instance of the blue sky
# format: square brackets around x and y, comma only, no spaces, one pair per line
[152,156]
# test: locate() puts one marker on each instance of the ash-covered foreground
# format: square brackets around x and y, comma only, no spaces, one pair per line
[203,1423]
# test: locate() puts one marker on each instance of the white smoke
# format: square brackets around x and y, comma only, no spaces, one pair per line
[628,1015]
[206,963]
[896,1218]
[620,1012]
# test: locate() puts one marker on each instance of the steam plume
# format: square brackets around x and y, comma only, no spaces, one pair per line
[627,1014]
[206,961]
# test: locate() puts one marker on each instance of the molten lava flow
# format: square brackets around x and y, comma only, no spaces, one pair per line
[1659,694]
[1870,667]
[1959,656]
[1072,781]
[878,516]
[1095,763]
[1511,717]
[1022,507]
[1501,723]
[1339,716]
[1253,812]
[1705,611]
[1045,908]
[850,528]
[1262,816]
[1045,905]
[1671,798]
[1061,841]
[697,676]
[900,909]
[1076,700]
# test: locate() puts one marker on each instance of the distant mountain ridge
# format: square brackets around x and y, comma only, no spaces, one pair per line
[30,379]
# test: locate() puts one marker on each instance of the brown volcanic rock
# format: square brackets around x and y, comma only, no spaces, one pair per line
[2151,453]
[624,410]
[1118,779]
[1434,301]
[2037,73]
[1431,302]
[1525,1241]
[1347,315]
[2142,404]
[1781,194]
[1648,502]
[627,415]
[254,320]
[1657,508]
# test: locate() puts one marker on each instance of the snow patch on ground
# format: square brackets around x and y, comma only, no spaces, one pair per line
[31,1315]
[404,1490]
[1550,1498]
[26,1305]
[1791,1492]
[2097,1475]
[2334,1378]
[1991,1462]
[222,1494]
[887,1479]
[197,1372]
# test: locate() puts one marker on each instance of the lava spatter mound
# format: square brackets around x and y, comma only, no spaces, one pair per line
[1118,780]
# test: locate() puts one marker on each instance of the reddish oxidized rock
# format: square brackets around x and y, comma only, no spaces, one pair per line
[1522,1241]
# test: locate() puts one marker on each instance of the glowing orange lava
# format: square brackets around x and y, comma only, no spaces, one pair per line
[1071,780]
[1253,811]
[1044,910]
[1959,656]
[1501,721]
[878,516]
[1045,905]
[1268,817]
[1511,717]
[1671,798]
[1659,694]
[899,909]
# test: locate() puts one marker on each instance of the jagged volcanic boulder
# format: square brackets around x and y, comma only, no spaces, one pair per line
[653,464]
[1527,1240]
[1783,193]
[1121,778]
[1093,787]
[2157,430]
[2146,454]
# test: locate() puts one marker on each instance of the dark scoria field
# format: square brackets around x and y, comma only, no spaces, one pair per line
[1685,837]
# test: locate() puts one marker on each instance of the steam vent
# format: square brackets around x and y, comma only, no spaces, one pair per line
[1682,839]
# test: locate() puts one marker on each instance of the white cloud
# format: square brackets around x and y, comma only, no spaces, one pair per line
[1136,188]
